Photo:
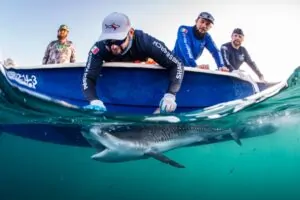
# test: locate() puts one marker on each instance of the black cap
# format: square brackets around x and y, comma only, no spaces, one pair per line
[238,31]
[207,16]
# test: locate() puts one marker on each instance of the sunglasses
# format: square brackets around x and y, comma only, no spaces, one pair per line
[114,42]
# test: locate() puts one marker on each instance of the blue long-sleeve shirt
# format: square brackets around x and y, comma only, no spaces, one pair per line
[189,47]
[143,46]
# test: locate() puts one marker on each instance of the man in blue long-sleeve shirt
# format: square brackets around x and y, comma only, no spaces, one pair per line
[191,41]
[120,42]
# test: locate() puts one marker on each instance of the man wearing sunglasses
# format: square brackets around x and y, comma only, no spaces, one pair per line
[191,41]
[120,42]
[234,54]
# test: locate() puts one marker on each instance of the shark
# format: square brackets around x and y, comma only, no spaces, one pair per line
[133,142]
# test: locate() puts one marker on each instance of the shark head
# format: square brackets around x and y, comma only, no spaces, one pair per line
[113,149]
[110,148]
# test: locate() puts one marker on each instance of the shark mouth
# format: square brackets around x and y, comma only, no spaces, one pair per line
[91,139]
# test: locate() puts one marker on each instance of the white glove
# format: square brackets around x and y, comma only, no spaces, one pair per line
[96,105]
[167,103]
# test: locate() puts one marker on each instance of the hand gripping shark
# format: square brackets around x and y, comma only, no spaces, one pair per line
[134,142]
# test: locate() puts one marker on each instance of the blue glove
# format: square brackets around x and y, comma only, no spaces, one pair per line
[96,105]
[167,103]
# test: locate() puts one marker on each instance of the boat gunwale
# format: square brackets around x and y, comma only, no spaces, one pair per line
[126,65]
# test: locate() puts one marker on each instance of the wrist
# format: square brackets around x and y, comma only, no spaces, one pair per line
[169,95]
[95,102]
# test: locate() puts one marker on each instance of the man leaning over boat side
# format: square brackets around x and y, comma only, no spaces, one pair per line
[120,42]
[191,41]
[234,54]
[61,50]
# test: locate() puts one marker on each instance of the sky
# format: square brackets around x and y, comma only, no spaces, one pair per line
[271,28]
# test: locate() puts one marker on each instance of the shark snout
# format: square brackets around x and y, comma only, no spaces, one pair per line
[110,148]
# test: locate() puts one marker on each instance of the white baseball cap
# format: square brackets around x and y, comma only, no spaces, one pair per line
[115,26]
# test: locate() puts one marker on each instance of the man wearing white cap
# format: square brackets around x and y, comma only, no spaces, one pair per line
[117,38]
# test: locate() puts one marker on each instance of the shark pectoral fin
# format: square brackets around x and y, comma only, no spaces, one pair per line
[164,159]
[236,138]
[100,155]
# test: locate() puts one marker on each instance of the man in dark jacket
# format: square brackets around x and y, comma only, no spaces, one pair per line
[120,42]
[234,54]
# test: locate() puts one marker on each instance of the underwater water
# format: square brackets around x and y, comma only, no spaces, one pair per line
[266,165]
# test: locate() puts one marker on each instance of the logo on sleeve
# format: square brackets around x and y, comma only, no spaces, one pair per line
[184,30]
[95,50]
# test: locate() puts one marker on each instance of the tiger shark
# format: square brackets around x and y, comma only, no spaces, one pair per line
[134,142]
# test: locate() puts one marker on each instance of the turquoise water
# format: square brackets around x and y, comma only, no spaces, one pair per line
[265,166]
